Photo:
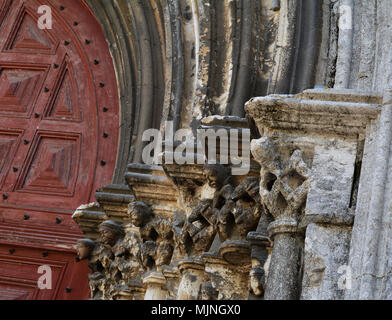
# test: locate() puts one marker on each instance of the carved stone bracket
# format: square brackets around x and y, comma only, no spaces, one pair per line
[150,184]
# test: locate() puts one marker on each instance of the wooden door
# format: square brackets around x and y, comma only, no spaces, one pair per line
[58,139]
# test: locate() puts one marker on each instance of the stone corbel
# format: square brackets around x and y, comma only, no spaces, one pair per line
[89,217]
[310,153]
[150,184]
[187,178]
[114,199]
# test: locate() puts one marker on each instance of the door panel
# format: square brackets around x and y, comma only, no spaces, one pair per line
[20,274]
[58,96]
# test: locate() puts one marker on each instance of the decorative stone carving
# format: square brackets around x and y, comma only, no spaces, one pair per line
[235,211]
[84,248]
[284,185]
[232,213]
[127,263]
[111,233]
[283,189]
[115,261]
[200,228]
[156,234]
[245,214]
[260,252]
[248,208]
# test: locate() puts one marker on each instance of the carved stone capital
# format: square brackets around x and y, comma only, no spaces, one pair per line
[258,239]
[156,286]
[284,177]
[283,225]
[192,271]
[311,148]
[236,252]
[191,264]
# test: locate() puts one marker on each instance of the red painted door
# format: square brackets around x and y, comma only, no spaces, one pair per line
[58,140]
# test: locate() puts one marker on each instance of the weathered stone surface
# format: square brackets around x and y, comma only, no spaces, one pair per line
[156,286]
[332,177]
[326,256]
[192,270]
[283,282]
[369,261]
[231,283]
[283,235]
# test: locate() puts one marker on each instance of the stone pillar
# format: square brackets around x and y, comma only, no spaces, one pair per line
[192,271]
[156,286]
[284,273]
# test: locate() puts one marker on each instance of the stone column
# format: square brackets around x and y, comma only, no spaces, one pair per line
[284,273]
[156,286]
[192,271]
